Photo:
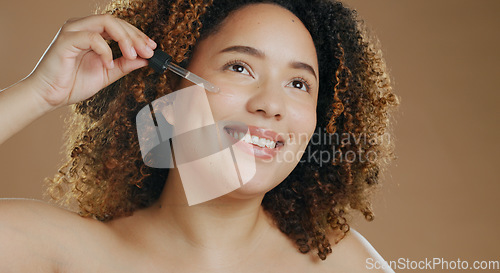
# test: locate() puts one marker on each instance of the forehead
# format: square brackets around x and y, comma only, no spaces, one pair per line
[268,27]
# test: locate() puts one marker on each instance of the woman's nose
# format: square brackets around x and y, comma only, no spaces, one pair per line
[268,100]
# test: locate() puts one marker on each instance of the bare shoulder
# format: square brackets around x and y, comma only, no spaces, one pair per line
[354,254]
[37,236]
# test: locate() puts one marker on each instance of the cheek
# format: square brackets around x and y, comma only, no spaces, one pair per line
[302,123]
[223,106]
[230,101]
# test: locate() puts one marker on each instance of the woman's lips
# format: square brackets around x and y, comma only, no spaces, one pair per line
[256,131]
[254,150]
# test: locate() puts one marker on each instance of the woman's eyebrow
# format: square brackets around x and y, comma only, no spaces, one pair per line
[245,50]
[259,54]
[301,65]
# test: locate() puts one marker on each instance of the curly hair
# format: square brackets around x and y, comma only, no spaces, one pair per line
[105,172]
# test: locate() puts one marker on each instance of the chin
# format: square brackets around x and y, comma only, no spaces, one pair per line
[261,176]
[254,188]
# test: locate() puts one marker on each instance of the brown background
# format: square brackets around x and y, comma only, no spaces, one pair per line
[440,198]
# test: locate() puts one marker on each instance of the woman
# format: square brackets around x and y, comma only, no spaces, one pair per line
[291,67]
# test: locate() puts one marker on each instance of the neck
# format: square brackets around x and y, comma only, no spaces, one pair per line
[216,228]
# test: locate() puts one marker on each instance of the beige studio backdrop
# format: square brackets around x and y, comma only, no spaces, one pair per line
[439,199]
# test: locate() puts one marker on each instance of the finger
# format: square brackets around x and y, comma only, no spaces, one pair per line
[106,26]
[141,41]
[78,42]
[151,43]
[123,66]
[126,44]
[137,32]
[116,29]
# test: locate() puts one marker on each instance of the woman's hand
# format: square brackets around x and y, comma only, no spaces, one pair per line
[79,62]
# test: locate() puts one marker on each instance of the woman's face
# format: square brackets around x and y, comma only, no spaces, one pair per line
[264,58]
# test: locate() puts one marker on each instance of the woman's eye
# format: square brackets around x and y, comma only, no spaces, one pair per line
[300,84]
[239,68]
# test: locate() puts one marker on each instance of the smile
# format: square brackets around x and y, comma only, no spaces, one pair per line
[256,141]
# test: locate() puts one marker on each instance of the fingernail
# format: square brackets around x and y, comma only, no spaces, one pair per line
[111,64]
[149,50]
[132,51]
[151,41]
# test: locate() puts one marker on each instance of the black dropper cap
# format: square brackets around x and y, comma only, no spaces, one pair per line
[160,61]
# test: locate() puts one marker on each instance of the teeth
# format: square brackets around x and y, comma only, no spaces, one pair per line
[270,144]
[261,142]
[247,138]
[255,140]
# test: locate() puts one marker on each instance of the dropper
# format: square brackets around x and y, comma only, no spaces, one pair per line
[161,61]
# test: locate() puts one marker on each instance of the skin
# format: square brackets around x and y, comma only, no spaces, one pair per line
[171,236]
[263,95]
[77,57]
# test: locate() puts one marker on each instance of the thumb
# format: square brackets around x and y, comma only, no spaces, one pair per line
[123,66]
